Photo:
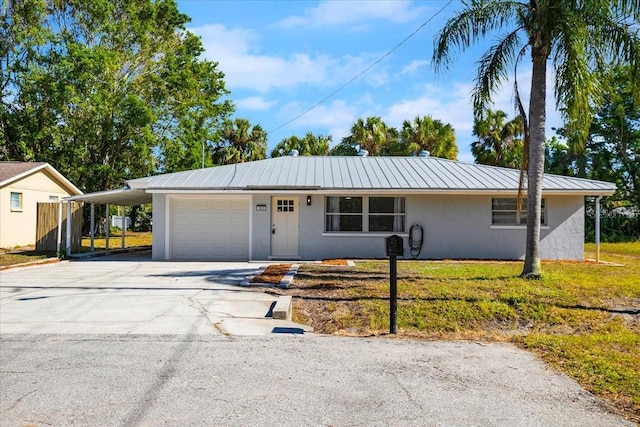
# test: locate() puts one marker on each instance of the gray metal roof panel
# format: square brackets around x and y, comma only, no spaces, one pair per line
[362,173]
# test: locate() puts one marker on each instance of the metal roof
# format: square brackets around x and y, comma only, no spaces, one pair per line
[399,174]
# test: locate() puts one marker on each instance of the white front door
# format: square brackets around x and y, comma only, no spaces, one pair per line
[284,226]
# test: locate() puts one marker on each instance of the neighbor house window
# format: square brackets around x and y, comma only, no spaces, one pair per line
[504,211]
[16,201]
[53,199]
[365,214]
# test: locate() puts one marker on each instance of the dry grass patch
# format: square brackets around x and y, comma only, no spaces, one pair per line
[337,262]
[273,274]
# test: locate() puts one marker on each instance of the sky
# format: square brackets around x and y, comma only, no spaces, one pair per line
[281,58]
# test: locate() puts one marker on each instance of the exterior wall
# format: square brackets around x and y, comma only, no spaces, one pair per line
[18,228]
[159,226]
[456,227]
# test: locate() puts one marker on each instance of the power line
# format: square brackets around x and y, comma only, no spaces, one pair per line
[361,73]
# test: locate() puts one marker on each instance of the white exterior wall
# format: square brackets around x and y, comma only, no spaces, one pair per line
[18,228]
[457,227]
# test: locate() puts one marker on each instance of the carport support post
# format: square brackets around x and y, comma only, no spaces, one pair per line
[598,228]
[59,226]
[106,231]
[393,298]
[93,226]
[124,211]
[68,228]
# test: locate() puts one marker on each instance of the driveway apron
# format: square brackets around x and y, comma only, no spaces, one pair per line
[130,294]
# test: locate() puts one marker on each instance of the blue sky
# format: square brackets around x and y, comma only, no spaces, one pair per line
[282,57]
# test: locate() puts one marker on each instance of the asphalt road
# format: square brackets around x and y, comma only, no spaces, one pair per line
[304,380]
[123,341]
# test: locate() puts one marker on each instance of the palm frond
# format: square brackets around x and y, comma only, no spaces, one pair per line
[493,69]
[470,25]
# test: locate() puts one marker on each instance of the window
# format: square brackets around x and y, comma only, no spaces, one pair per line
[386,213]
[16,201]
[504,211]
[343,214]
[53,199]
[365,214]
[285,205]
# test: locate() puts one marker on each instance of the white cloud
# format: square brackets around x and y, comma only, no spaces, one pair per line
[256,103]
[336,116]
[414,66]
[235,49]
[331,13]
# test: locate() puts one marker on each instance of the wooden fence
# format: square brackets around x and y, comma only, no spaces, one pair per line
[47,227]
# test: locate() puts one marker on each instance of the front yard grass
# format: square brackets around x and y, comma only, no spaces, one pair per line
[21,256]
[581,317]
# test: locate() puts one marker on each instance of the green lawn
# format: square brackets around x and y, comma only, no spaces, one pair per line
[581,317]
[131,239]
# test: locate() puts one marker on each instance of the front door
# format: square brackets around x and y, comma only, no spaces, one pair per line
[284,227]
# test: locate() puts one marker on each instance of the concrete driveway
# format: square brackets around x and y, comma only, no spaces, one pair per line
[130,294]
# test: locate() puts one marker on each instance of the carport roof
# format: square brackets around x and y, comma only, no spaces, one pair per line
[121,197]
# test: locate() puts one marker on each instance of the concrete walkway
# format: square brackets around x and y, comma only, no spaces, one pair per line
[129,294]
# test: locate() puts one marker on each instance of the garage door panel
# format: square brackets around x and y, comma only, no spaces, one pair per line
[210,229]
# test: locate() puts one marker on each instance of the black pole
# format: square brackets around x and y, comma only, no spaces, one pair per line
[393,300]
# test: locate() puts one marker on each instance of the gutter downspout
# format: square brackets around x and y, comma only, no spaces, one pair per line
[598,228]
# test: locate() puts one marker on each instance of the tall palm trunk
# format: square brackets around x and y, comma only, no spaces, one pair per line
[537,115]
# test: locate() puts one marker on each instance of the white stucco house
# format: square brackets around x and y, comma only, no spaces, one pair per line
[310,208]
[22,186]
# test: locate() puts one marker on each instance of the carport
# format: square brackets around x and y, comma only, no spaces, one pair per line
[122,197]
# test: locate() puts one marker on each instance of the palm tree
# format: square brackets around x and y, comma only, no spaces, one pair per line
[240,142]
[499,141]
[578,36]
[310,145]
[372,135]
[427,134]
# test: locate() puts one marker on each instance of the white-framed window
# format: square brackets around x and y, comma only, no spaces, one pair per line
[365,214]
[53,199]
[504,211]
[16,201]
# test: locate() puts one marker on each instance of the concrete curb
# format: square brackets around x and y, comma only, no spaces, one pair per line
[288,277]
[37,263]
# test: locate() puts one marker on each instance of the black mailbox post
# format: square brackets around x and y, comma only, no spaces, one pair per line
[395,248]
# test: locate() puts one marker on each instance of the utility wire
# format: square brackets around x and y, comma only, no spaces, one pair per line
[361,73]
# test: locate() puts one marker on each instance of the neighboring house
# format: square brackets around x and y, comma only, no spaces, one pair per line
[22,186]
[312,208]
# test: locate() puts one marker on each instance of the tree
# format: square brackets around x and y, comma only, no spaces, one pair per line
[309,145]
[499,141]
[430,135]
[372,135]
[240,142]
[105,90]
[614,137]
[578,36]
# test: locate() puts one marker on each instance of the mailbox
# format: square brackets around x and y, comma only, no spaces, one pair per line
[395,246]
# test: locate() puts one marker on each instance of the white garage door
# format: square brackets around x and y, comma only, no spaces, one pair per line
[210,229]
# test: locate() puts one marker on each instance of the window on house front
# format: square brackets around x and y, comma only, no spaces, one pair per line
[386,214]
[365,214]
[504,211]
[16,201]
[343,214]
